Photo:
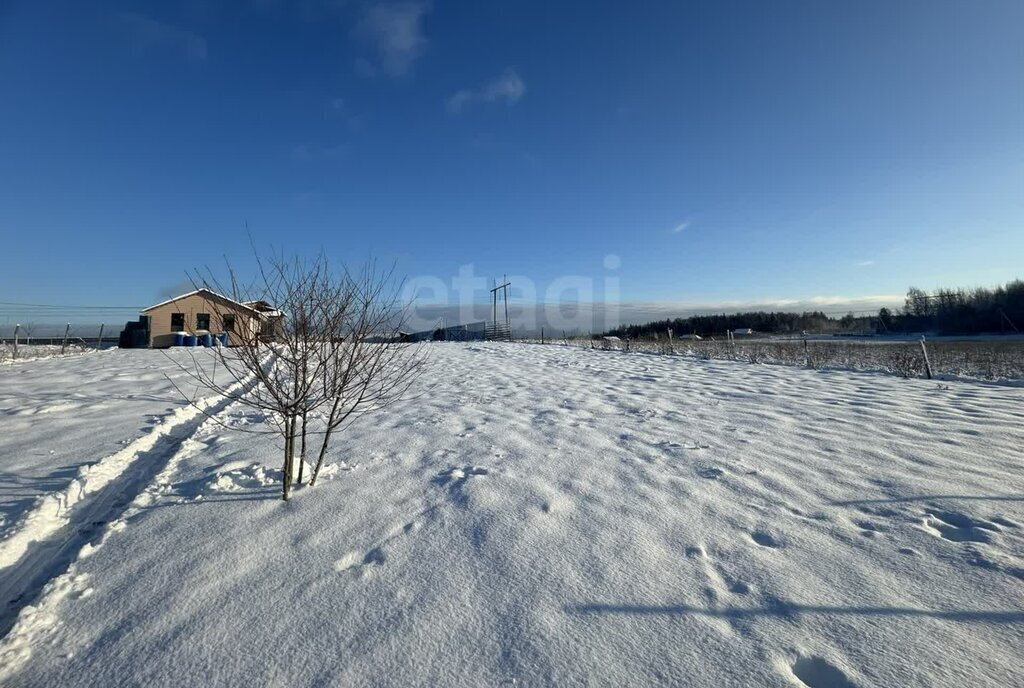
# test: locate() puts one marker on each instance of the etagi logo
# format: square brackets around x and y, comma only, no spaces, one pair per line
[574,304]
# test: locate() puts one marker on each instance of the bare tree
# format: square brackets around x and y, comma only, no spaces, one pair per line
[368,368]
[321,349]
[28,329]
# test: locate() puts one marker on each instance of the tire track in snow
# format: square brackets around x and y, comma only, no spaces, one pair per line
[48,540]
[53,511]
[23,630]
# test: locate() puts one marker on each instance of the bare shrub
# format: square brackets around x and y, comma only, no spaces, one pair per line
[904,361]
[334,356]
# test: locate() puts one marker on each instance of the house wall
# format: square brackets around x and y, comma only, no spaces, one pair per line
[161,334]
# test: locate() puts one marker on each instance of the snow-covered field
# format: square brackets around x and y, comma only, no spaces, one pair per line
[535,516]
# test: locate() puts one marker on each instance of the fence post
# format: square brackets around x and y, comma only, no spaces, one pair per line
[671,346]
[542,335]
[807,354]
[64,343]
[99,340]
[16,328]
[927,363]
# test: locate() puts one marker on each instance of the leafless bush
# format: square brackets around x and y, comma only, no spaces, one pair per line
[35,352]
[904,360]
[334,356]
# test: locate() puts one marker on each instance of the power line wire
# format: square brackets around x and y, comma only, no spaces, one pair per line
[66,307]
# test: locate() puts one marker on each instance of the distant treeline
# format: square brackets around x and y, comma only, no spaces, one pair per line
[759,321]
[959,311]
[947,311]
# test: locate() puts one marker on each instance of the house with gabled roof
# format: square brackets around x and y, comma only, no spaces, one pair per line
[204,311]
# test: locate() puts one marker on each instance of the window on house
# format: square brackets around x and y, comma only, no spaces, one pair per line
[177,321]
[202,321]
[229,322]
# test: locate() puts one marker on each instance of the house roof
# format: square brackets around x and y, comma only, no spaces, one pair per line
[207,292]
[263,307]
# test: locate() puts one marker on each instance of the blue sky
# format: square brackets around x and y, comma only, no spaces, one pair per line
[724,152]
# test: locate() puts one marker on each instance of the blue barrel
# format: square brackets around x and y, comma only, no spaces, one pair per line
[207,339]
[223,337]
[191,340]
[179,338]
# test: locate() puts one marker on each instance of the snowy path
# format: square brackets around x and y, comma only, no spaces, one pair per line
[42,545]
[59,416]
[551,516]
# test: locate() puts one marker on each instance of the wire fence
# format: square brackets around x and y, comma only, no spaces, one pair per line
[32,342]
[986,359]
[35,330]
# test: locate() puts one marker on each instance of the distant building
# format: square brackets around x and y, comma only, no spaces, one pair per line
[743,332]
[202,312]
[470,332]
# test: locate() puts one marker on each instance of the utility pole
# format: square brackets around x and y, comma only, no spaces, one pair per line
[494,304]
[505,293]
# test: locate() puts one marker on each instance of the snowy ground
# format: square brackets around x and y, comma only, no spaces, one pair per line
[538,516]
[60,415]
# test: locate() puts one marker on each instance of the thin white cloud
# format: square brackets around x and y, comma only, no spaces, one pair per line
[337,109]
[864,263]
[681,227]
[394,32]
[459,100]
[508,87]
[150,34]
[862,301]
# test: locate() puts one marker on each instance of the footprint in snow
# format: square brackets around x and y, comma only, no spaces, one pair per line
[764,539]
[353,560]
[710,472]
[739,588]
[816,672]
[455,479]
[869,529]
[956,527]
[456,476]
